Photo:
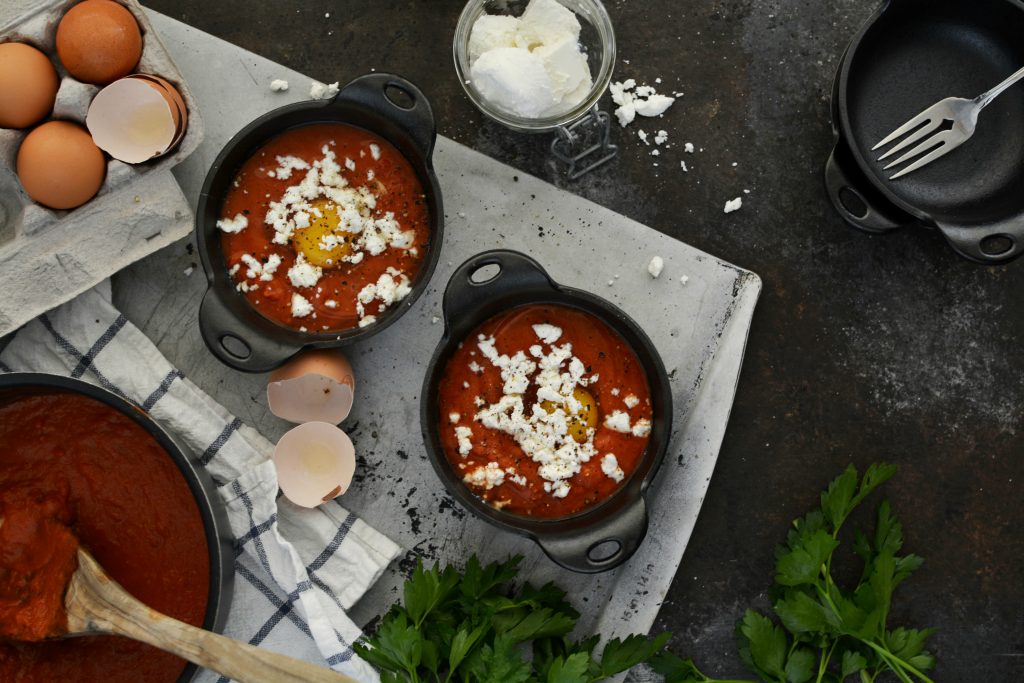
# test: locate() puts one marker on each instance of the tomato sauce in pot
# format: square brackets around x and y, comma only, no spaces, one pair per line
[532,404]
[73,467]
[364,160]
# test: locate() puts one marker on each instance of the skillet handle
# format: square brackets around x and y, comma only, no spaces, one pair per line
[234,344]
[872,215]
[602,547]
[989,245]
[517,273]
[381,91]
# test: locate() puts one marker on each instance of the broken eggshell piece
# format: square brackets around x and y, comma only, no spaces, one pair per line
[315,386]
[315,463]
[132,121]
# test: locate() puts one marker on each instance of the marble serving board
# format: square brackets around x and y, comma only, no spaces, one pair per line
[700,329]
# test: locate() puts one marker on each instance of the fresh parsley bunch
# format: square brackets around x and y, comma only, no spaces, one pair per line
[831,632]
[476,626]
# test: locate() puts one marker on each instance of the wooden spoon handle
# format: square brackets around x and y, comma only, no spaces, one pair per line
[97,604]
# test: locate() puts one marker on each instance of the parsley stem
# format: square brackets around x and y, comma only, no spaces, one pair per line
[823,662]
[890,657]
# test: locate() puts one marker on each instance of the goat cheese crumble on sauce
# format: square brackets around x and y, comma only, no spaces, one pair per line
[306,236]
[542,430]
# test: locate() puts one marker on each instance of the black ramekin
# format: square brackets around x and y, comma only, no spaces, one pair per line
[598,538]
[384,104]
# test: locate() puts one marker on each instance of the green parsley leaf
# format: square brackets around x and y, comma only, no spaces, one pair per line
[478,581]
[622,655]
[572,669]
[837,498]
[675,669]
[800,666]
[852,662]
[498,663]
[427,589]
[762,646]
[800,613]
[803,564]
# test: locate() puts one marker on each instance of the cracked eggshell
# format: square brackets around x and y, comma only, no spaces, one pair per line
[315,463]
[132,121]
[315,386]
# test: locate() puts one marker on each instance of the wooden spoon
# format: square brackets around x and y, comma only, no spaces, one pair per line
[95,603]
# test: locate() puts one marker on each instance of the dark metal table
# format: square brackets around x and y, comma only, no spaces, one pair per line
[863,347]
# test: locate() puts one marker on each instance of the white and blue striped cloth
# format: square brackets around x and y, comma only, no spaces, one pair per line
[297,570]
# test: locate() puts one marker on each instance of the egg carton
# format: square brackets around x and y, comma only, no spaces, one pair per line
[48,256]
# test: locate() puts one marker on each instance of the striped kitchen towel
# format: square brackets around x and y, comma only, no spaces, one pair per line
[297,570]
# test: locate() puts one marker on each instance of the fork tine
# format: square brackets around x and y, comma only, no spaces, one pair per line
[918,134]
[939,139]
[905,128]
[926,159]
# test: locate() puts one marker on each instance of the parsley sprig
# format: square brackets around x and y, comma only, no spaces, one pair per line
[477,626]
[829,633]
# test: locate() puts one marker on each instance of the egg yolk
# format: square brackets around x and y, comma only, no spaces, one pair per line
[324,243]
[583,420]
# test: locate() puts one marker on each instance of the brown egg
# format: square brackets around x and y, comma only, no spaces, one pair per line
[28,85]
[60,166]
[99,41]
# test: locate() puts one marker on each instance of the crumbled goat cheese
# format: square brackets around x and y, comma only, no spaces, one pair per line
[544,436]
[655,266]
[642,134]
[616,391]
[488,477]
[642,427]
[301,306]
[548,334]
[610,467]
[323,91]
[688,148]
[733,205]
[270,267]
[631,401]
[684,279]
[643,100]
[660,137]
[331,303]
[375,151]
[682,165]
[463,435]
[454,418]
[233,225]
[278,85]
[618,421]
[391,287]
[367,321]
[475,367]
[287,164]
[304,273]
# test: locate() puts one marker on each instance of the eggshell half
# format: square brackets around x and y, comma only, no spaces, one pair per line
[315,463]
[175,102]
[131,121]
[315,386]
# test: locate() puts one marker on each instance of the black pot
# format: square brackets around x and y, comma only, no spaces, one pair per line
[909,55]
[219,541]
[384,104]
[599,538]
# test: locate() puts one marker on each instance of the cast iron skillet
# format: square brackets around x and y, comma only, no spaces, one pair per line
[219,542]
[909,55]
[385,104]
[602,537]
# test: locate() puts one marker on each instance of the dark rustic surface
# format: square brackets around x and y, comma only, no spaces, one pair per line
[862,348]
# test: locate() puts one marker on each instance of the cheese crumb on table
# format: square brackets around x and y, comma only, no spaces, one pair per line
[733,205]
[655,266]
[688,148]
[278,85]
[323,91]
[632,100]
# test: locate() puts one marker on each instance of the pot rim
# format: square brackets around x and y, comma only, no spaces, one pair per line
[219,541]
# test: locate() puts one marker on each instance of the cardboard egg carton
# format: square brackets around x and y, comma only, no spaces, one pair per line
[48,256]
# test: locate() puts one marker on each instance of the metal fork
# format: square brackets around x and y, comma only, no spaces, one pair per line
[961,115]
